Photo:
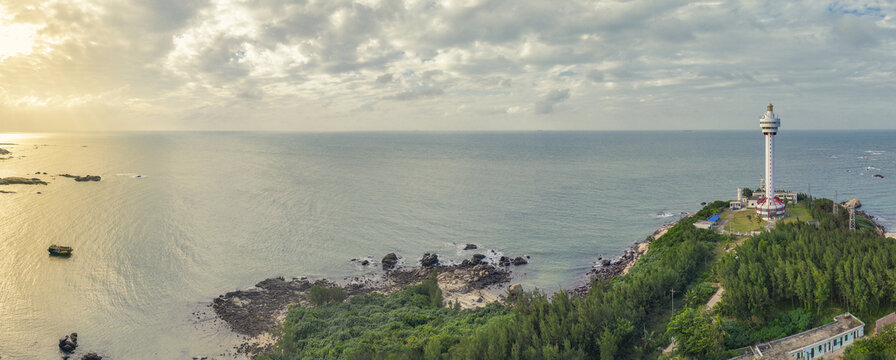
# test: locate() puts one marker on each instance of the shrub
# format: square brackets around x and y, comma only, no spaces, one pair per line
[322,295]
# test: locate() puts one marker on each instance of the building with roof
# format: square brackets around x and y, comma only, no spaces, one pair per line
[824,342]
[708,223]
[884,321]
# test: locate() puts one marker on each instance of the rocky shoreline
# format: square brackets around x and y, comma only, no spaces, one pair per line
[256,312]
[607,269]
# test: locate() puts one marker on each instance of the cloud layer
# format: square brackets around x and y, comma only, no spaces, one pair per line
[443,65]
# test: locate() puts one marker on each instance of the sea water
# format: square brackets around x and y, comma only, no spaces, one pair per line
[181,217]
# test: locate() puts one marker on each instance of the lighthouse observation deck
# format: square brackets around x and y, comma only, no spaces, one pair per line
[769,122]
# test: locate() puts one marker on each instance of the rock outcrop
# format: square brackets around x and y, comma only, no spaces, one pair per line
[429,260]
[477,259]
[389,261]
[255,310]
[855,203]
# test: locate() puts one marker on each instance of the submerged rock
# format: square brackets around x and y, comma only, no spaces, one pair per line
[389,261]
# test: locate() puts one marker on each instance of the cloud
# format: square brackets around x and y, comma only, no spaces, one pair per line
[546,104]
[384,79]
[251,64]
[417,94]
[595,76]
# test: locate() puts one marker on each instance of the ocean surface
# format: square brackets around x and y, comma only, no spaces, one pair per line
[180,218]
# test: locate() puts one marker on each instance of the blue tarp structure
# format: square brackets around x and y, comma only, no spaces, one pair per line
[714,218]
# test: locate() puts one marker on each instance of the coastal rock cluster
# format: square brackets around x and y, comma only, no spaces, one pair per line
[259,309]
[69,343]
[254,311]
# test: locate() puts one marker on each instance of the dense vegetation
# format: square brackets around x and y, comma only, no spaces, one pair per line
[408,324]
[813,267]
[740,333]
[881,346]
[606,323]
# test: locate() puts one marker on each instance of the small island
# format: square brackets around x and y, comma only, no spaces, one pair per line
[82,178]
[14,180]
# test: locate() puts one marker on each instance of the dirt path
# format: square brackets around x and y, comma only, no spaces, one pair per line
[714,299]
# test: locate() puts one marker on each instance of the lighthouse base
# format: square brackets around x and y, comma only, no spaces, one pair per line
[770,208]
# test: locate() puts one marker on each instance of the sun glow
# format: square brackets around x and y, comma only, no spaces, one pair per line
[15,39]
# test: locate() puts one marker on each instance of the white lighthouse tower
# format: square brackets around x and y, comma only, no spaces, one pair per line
[770,206]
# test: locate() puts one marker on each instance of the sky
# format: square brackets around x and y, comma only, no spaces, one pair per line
[453,65]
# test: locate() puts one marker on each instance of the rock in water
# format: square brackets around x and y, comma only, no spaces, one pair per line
[69,343]
[429,260]
[515,289]
[879,176]
[471,247]
[389,261]
[365,262]
[504,261]
[519,261]
[477,259]
[91,356]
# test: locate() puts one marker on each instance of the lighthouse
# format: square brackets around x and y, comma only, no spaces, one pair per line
[770,206]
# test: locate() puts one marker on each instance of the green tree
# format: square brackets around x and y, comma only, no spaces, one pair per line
[880,346]
[695,333]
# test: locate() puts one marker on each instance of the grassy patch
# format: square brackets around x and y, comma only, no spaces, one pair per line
[744,221]
[797,213]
